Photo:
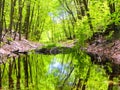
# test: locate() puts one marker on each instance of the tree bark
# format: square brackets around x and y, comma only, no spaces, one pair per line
[26,22]
[88,15]
[79,8]
[67,8]
[112,26]
[20,18]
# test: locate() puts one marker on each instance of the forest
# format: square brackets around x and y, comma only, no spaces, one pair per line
[59,45]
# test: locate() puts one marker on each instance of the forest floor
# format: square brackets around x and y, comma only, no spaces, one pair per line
[105,50]
[17,46]
[12,46]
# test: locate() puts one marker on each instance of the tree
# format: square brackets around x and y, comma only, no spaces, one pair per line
[79,8]
[20,18]
[88,15]
[2,3]
[113,16]
[13,2]
[26,21]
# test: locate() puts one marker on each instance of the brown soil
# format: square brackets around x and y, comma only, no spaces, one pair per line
[106,50]
[12,46]
[107,54]
[16,46]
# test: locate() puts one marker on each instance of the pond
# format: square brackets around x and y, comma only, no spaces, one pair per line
[52,72]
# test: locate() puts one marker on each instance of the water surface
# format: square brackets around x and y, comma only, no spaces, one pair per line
[50,72]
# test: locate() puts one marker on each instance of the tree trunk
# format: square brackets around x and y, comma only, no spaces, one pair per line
[112,26]
[67,8]
[18,74]
[26,70]
[11,16]
[26,22]
[11,84]
[20,18]
[88,15]
[1,21]
[79,8]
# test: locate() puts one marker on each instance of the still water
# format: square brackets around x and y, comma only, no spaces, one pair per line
[51,72]
[36,72]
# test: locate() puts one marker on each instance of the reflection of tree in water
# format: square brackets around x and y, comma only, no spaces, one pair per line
[57,67]
[18,74]
[15,70]
[12,71]
[25,62]
[11,84]
[0,77]
[61,70]
[48,72]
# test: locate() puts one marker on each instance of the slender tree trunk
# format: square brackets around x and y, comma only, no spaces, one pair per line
[69,31]
[1,18]
[1,21]
[82,8]
[67,8]
[26,23]
[13,2]
[64,28]
[88,15]
[18,74]
[79,84]
[112,26]
[79,8]
[20,18]
[32,14]
[86,79]
[11,16]
[26,70]
[0,77]
[11,84]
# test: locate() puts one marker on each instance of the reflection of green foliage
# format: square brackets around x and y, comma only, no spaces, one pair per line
[97,79]
[40,76]
[50,45]
[47,25]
